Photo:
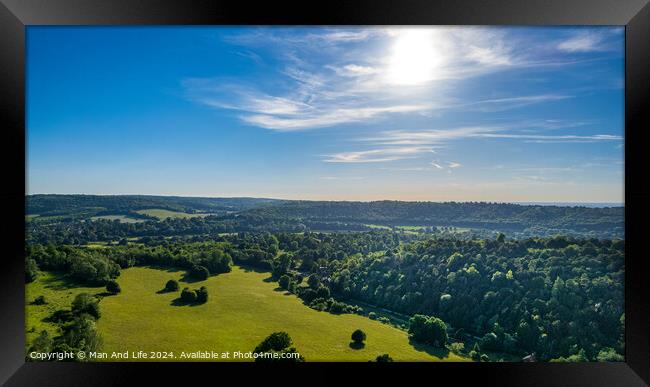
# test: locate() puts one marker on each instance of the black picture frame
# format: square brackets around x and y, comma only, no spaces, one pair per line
[15,15]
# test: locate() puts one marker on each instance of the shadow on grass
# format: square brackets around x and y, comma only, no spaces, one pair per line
[60,281]
[188,279]
[164,291]
[433,351]
[59,316]
[251,269]
[179,302]
[357,346]
[168,269]
[269,279]
[105,294]
[284,291]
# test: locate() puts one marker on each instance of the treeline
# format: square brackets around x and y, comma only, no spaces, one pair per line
[66,218]
[82,231]
[99,266]
[501,216]
[91,205]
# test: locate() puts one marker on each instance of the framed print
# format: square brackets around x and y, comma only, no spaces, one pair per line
[283,192]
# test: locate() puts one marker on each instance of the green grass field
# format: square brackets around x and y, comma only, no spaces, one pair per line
[243,308]
[411,228]
[164,214]
[121,218]
[377,226]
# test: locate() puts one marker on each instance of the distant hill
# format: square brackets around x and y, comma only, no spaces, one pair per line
[92,205]
[504,216]
[259,214]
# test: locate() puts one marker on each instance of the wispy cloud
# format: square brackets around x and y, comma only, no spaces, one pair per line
[407,144]
[430,137]
[315,118]
[585,41]
[250,55]
[440,136]
[555,138]
[502,104]
[377,155]
[354,70]
[436,165]
[333,77]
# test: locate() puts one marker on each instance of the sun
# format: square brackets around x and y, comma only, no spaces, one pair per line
[414,58]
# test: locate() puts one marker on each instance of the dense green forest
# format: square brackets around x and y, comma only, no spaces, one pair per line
[560,297]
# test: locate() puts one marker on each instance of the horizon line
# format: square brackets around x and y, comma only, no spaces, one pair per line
[520,202]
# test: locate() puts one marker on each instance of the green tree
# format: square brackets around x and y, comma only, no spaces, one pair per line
[284,281]
[609,354]
[31,270]
[475,353]
[428,329]
[84,303]
[313,281]
[171,286]
[276,341]
[385,358]
[113,287]
[202,295]
[82,335]
[282,265]
[358,336]
[188,296]
[199,272]
[323,292]
[42,344]
[280,343]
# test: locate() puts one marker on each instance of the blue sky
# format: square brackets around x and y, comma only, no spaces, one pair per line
[444,113]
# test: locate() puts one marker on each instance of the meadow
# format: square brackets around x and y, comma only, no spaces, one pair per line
[121,218]
[162,214]
[243,308]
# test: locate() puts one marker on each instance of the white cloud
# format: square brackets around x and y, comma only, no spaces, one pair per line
[332,77]
[313,118]
[430,137]
[554,138]
[354,70]
[377,155]
[404,169]
[501,104]
[585,41]
[440,136]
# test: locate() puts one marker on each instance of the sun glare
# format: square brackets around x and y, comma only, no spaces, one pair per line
[414,58]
